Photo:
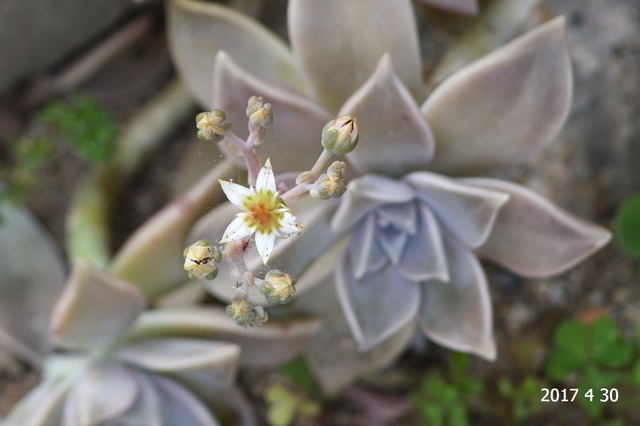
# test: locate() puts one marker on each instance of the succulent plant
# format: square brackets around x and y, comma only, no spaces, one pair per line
[415,219]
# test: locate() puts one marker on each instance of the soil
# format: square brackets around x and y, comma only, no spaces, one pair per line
[590,170]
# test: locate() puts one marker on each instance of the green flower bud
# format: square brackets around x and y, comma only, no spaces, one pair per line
[200,260]
[278,287]
[340,136]
[332,184]
[260,114]
[212,126]
[242,311]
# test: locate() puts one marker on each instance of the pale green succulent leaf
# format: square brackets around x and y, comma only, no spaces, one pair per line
[152,257]
[198,30]
[104,392]
[273,343]
[535,238]
[504,107]
[195,361]
[338,365]
[339,44]
[294,135]
[394,136]
[42,406]
[457,314]
[31,279]
[95,308]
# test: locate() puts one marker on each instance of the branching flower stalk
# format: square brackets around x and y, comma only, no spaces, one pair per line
[265,214]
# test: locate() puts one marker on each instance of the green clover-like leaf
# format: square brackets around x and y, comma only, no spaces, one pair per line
[627,225]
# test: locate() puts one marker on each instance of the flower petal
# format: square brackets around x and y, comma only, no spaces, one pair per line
[266,180]
[457,314]
[196,361]
[466,211]
[264,244]
[467,7]
[236,194]
[424,257]
[31,273]
[95,309]
[394,136]
[152,257]
[179,406]
[503,107]
[378,305]
[289,224]
[198,30]
[101,394]
[365,251]
[292,255]
[294,135]
[535,238]
[236,230]
[333,354]
[365,193]
[339,43]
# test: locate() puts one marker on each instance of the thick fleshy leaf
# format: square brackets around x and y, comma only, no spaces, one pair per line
[293,139]
[497,24]
[368,256]
[269,345]
[339,43]
[152,257]
[146,410]
[31,279]
[424,257]
[192,360]
[42,406]
[466,211]
[293,254]
[394,136]
[198,30]
[179,406]
[503,107]
[378,305]
[364,194]
[535,238]
[467,7]
[333,354]
[95,309]
[101,394]
[457,314]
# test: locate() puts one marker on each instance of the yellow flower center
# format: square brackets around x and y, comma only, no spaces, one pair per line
[261,214]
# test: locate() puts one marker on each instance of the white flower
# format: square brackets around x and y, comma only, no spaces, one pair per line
[263,213]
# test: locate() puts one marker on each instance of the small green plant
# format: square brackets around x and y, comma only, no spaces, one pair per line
[85,125]
[442,400]
[627,225]
[597,354]
[524,399]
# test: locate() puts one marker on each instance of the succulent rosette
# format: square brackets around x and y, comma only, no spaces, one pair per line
[401,248]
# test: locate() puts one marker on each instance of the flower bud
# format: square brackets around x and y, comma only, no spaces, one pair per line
[260,114]
[200,260]
[340,136]
[278,287]
[332,184]
[242,311]
[212,126]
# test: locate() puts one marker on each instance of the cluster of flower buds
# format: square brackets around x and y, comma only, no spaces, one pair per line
[265,214]
[260,113]
[245,312]
[201,260]
[212,126]
[331,184]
